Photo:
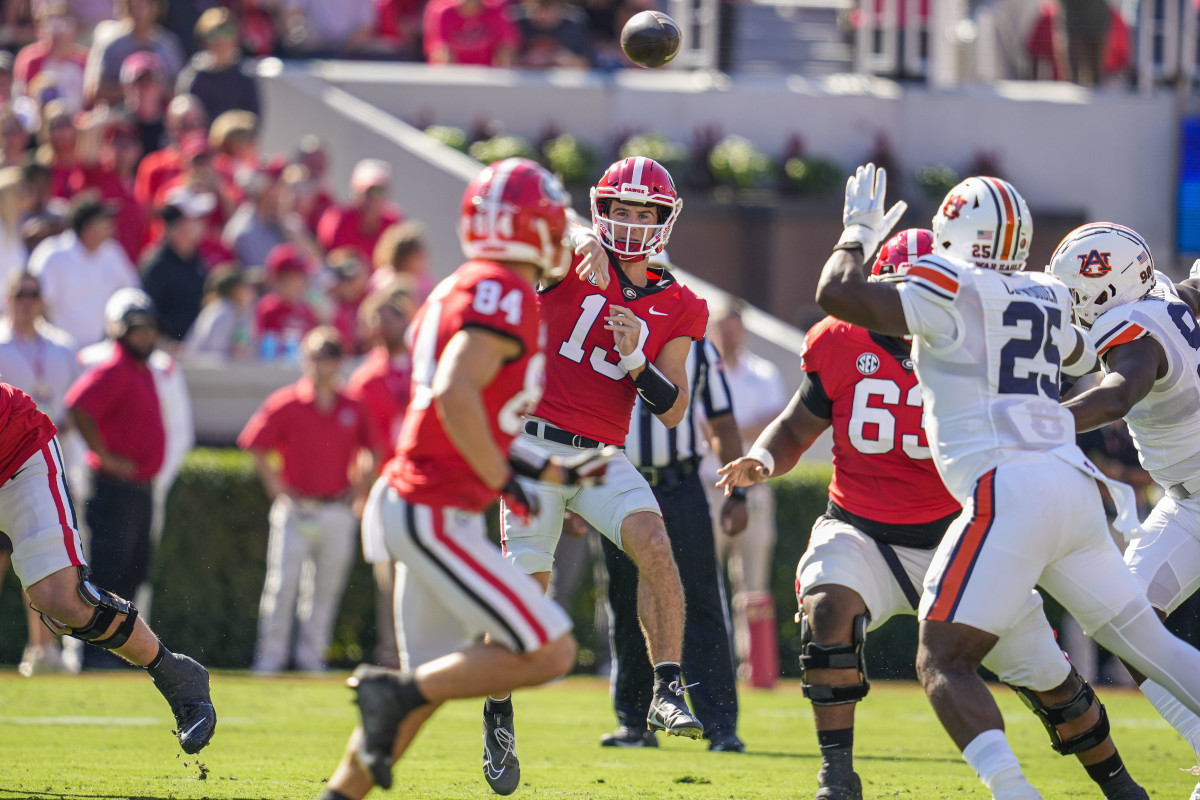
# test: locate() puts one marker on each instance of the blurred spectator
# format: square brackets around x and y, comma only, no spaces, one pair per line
[115,407]
[136,29]
[320,434]
[181,18]
[346,294]
[109,150]
[256,227]
[1087,24]
[14,138]
[146,95]
[234,141]
[47,216]
[328,28]
[302,196]
[200,176]
[14,202]
[185,114]
[7,79]
[283,312]
[261,24]
[469,32]
[225,326]
[80,270]
[56,145]
[173,274]
[216,74]
[40,360]
[54,53]
[553,34]
[758,396]
[399,28]
[361,223]
[1031,43]
[403,252]
[312,156]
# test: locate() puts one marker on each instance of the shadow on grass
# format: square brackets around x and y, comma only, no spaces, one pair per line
[857,757]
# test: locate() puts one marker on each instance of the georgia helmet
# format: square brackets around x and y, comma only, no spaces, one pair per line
[516,210]
[1103,265]
[898,252]
[984,221]
[640,181]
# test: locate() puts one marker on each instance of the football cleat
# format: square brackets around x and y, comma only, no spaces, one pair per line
[669,712]
[626,736]
[184,683]
[501,769]
[725,742]
[839,785]
[383,705]
[1196,793]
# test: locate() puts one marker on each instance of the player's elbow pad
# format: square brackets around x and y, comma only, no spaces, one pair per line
[1083,358]
[658,393]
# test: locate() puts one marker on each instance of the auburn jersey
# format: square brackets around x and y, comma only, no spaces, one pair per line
[427,467]
[587,392]
[23,430]
[864,383]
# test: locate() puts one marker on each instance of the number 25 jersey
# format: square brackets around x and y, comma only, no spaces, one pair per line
[587,392]
[428,468]
[988,349]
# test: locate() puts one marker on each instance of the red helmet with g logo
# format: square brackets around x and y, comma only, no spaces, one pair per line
[639,181]
[515,210]
[898,252]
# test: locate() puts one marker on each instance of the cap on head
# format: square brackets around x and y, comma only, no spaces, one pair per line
[182,202]
[369,173]
[140,64]
[286,258]
[129,308]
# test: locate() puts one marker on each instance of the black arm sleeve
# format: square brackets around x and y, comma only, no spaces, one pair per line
[812,394]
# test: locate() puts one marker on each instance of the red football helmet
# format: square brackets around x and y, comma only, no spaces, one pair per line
[641,181]
[515,210]
[898,252]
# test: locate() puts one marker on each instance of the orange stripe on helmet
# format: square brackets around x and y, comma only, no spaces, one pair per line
[1010,218]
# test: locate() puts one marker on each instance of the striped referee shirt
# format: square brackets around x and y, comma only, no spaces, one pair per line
[651,443]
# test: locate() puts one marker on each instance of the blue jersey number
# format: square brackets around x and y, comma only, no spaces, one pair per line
[1028,349]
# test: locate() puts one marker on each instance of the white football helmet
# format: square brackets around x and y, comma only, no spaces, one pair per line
[984,221]
[1104,265]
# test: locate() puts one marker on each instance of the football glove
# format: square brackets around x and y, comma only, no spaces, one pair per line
[863,217]
[523,504]
[589,468]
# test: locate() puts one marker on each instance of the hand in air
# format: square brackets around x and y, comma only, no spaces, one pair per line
[594,258]
[742,472]
[626,328]
[863,216]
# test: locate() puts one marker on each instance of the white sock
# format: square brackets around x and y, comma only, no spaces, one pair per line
[1175,713]
[997,766]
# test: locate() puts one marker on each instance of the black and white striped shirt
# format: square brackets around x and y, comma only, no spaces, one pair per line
[651,443]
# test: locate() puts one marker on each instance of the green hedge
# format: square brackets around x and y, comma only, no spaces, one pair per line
[208,573]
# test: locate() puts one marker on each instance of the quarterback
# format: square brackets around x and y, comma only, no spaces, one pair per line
[869,553]
[617,328]
[989,347]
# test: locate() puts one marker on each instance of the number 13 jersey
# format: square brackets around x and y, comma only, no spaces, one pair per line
[587,392]
[988,349]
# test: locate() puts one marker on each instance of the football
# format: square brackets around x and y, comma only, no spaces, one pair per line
[651,38]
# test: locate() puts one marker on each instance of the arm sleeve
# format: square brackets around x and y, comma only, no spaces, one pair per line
[814,397]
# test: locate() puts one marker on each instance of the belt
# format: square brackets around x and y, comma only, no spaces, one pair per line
[1182,491]
[670,476]
[544,430]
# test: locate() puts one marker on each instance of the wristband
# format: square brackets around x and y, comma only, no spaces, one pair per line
[656,391]
[763,455]
[738,493]
[632,361]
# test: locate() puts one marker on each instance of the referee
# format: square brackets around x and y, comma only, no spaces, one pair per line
[668,459]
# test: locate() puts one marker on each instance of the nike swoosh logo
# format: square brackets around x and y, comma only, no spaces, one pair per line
[1116,772]
[657,313]
[188,732]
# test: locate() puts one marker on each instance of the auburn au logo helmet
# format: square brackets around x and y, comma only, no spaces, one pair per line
[984,221]
[1104,265]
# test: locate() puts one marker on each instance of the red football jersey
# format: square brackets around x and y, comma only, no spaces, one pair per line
[587,392]
[23,430]
[428,468]
[882,467]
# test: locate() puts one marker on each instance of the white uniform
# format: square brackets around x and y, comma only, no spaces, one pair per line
[988,348]
[1165,426]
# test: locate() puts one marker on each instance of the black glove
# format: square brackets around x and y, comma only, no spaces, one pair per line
[589,468]
[521,503]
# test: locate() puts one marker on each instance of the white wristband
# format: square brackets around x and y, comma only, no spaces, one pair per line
[763,455]
[580,234]
[632,361]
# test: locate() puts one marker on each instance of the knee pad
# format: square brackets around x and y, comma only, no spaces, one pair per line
[834,656]
[107,608]
[1076,707]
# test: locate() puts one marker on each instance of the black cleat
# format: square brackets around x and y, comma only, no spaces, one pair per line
[839,785]
[724,741]
[382,705]
[184,683]
[625,736]
[501,769]
[669,712]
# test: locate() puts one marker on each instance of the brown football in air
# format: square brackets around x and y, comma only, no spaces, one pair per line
[651,38]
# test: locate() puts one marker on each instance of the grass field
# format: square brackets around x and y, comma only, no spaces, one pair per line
[99,737]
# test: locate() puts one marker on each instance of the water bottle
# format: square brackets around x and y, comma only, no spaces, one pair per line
[269,346]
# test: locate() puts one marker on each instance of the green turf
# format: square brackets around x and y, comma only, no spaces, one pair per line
[99,737]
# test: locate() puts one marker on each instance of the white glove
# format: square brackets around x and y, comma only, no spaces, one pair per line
[1194,272]
[863,216]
